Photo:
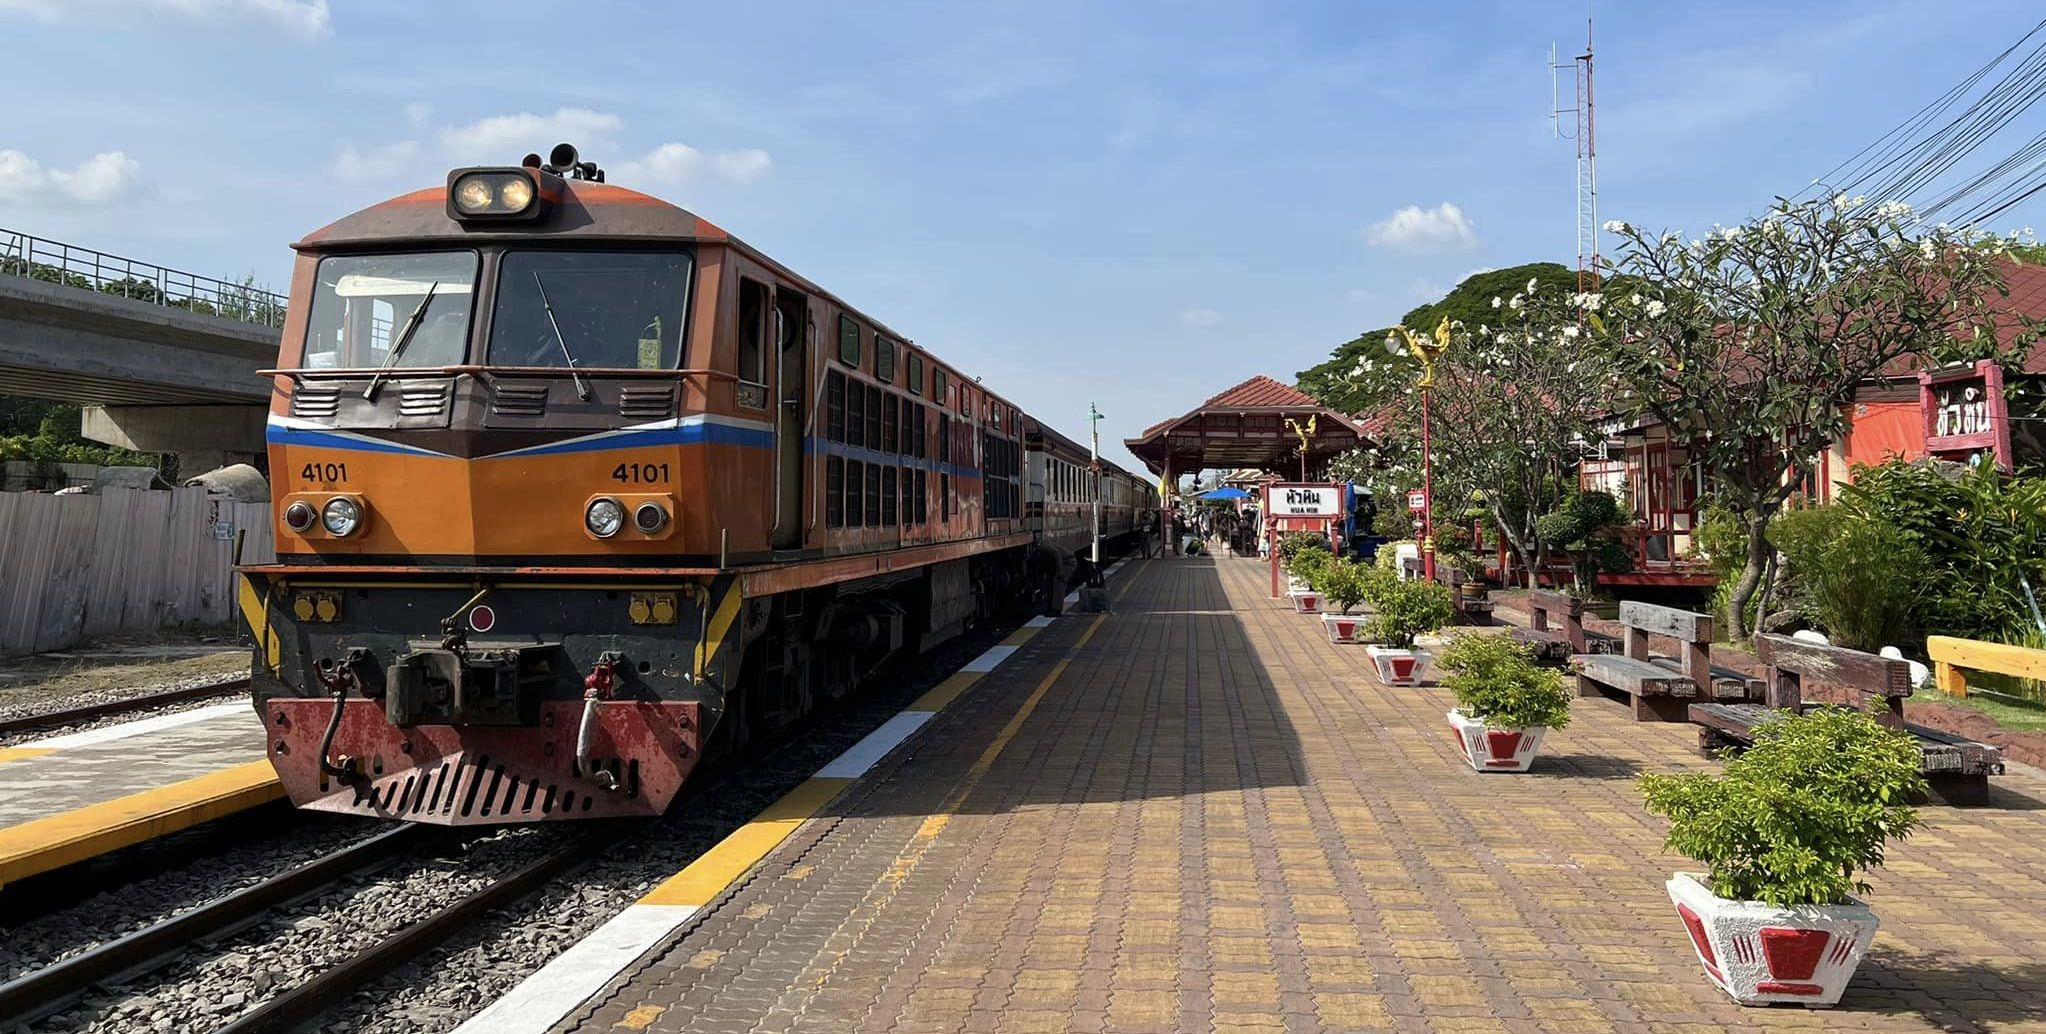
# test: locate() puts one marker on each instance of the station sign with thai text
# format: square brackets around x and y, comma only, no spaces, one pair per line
[1965,414]
[1305,500]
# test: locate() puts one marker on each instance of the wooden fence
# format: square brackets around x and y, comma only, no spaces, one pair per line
[73,566]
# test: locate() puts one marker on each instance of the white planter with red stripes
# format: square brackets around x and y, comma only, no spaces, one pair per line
[1306,601]
[1761,954]
[1344,628]
[1495,750]
[1397,667]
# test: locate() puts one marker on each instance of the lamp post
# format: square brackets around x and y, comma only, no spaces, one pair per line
[1425,349]
[1094,474]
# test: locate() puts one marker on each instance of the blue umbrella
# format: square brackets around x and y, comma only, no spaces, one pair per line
[1224,492]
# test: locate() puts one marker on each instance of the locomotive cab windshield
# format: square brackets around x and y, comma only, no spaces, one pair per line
[551,308]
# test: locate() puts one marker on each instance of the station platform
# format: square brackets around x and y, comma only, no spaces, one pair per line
[68,798]
[1197,814]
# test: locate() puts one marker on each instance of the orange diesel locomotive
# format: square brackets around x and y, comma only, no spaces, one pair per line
[573,486]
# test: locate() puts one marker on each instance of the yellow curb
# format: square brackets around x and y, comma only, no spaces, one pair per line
[58,840]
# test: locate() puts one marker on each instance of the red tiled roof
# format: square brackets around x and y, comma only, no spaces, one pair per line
[1262,391]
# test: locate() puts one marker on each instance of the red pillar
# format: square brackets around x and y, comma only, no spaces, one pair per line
[1427,491]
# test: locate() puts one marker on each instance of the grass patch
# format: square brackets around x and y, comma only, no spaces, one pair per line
[2021,715]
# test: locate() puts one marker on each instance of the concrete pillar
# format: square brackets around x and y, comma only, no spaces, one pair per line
[202,437]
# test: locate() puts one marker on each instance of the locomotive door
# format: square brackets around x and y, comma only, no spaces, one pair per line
[791,382]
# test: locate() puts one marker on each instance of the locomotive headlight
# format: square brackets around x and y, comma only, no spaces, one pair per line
[299,516]
[650,517]
[604,517]
[341,516]
[515,194]
[473,194]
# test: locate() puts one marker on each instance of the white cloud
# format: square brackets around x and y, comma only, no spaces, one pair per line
[507,138]
[674,163]
[309,19]
[1416,228]
[375,163]
[1201,318]
[503,139]
[104,179]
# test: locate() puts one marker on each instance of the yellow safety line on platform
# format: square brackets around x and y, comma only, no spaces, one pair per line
[58,840]
[23,753]
[1023,635]
[936,822]
[945,692]
[701,881]
[705,878]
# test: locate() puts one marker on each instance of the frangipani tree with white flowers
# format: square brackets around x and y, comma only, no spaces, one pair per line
[1515,402]
[1750,343]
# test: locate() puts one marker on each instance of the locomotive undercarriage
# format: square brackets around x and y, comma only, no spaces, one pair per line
[474,703]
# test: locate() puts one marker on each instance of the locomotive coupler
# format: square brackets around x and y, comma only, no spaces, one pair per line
[596,688]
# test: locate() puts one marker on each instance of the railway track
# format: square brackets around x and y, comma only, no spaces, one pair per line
[107,708]
[53,987]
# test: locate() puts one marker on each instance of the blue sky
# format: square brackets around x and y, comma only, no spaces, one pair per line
[1132,203]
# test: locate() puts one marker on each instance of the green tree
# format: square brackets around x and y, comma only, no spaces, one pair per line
[1750,343]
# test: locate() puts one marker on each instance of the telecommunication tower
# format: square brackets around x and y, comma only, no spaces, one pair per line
[1584,135]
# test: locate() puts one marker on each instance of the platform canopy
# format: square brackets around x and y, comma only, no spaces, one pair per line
[1246,426]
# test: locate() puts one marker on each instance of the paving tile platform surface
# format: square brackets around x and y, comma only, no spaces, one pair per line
[1213,819]
[73,777]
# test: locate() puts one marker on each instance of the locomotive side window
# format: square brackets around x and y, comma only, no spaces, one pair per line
[364,304]
[884,359]
[938,386]
[848,342]
[834,406]
[923,486]
[597,310]
[873,417]
[855,493]
[752,344]
[916,374]
[873,495]
[890,427]
[855,413]
[834,492]
[887,497]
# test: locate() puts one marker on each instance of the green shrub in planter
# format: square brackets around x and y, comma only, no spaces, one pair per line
[1388,558]
[1496,679]
[1293,543]
[1342,583]
[1406,609]
[1800,813]
[1306,564]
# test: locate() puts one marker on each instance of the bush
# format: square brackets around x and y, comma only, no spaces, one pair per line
[1342,582]
[1306,563]
[1582,525]
[1406,609]
[1979,532]
[1862,584]
[1293,543]
[1795,818]
[1496,679]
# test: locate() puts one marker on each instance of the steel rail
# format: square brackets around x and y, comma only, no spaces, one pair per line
[86,712]
[47,990]
[296,1006]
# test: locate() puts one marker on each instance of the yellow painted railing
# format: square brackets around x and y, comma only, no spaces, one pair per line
[1953,658]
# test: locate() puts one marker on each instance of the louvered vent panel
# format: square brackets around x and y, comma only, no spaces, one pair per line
[646,403]
[309,401]
[426,400]
[519,400]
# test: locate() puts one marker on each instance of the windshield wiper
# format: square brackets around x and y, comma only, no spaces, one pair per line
[404,338]
[582,387]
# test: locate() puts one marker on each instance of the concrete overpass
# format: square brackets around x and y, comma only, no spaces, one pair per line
[166,361]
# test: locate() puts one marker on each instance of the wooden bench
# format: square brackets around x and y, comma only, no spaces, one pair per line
[1553,644]
[1956,769]
[1662,688]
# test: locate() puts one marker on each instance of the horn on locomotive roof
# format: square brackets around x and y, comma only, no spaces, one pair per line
[562,162]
